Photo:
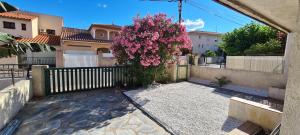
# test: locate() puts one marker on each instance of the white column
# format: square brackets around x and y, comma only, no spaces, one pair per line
[108,32]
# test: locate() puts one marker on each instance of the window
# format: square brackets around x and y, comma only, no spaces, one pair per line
[9,25]
[50,32]
[101,34]
[199,37]
[23,25]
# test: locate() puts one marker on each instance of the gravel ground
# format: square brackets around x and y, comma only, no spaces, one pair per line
[186,108]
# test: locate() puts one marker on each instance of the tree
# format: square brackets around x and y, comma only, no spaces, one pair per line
[237,41]
[9,46]
[149,44]
[272,47]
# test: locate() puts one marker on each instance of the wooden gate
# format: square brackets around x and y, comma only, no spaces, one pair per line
[61,80]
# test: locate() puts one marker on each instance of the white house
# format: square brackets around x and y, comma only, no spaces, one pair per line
[204,40]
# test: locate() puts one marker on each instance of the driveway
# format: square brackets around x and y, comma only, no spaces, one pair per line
[99,112]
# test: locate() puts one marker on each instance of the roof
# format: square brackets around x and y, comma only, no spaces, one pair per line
[17,15]
[106,26]
[42,39]
[79,35]
[204,32]
[270,14]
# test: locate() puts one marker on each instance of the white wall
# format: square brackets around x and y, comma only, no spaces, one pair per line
[206,42]
[51,22]
[273,64]
[12,99]
[31,27]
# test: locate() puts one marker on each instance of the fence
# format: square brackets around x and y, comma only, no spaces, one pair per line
[14,70]
[61,80]
[273,64]
[38,60]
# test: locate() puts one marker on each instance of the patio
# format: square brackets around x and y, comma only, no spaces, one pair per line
[99,112]
[190,109]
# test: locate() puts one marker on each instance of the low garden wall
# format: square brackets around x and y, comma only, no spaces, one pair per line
[12,99]
[257,113]
[259,80]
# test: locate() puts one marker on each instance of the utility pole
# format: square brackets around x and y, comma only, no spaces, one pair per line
[179,10]
[179,7]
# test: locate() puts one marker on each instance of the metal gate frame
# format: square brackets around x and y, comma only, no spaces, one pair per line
[63,80]
[177,72]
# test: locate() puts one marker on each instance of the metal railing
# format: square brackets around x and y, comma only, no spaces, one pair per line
[15,71]
[276,131]
[39,60]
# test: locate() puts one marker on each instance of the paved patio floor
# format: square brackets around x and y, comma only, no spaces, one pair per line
[99,112]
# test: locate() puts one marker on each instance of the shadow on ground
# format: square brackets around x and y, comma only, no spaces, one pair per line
[71,112]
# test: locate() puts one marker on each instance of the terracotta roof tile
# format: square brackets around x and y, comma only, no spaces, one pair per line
[43,39]
[17,15]
[80,35]
[106,26]
[204,32]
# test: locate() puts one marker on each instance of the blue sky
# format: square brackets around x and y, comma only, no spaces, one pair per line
[198,14]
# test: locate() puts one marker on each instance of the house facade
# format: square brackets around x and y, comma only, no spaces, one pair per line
[29,25]
[204,40]
[73,47]
[33,28]
[86,48]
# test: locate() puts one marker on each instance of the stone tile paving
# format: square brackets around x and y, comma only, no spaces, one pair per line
[100,112]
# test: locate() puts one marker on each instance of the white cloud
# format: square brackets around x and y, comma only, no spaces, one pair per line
[193,25]
[102,5]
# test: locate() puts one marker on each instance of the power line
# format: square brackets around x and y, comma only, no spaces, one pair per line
[179,7]
[196,5]
[219,12]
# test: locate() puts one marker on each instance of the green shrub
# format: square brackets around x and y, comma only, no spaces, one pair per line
[222,81]
[272,47]
[210,53]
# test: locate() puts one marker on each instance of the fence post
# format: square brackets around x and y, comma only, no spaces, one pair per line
[38,80]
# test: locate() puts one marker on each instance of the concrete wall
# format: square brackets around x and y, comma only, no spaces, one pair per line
[12,99]
[257,113]
[38,80]
[34,27]
[291,113]
[31,27]
[259,80]
[9,60]
[50,22]
[106,61]
[273,64]
[84,46]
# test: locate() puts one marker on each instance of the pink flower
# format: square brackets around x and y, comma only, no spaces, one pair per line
[148,37]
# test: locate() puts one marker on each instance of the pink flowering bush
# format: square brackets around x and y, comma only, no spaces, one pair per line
[150,43]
